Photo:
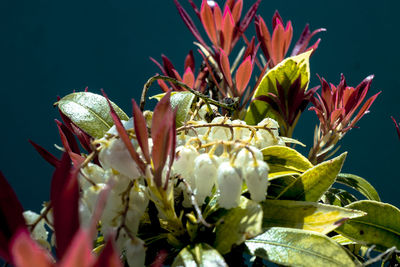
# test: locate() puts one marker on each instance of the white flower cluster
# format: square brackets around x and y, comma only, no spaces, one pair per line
[224,154]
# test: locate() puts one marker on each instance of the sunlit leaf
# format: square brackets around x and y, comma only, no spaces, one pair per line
[201,255]
[338,197]
[313,183]
[305,215]
[285,158]
[294,247]
[286,74]
[380,227]
[90,112]
[279,182]
[181,100]
[239,224]
[360,184]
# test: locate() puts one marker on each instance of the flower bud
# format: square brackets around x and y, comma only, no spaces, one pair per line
[183,164]
[229,184]
[240,133]
[135,252]
[115,155]
[219,132]
[205,175]
[39,233]
[256,176]
[93,172]
[245,156]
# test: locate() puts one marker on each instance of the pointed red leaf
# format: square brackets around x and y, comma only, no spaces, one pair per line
[237,11]
[159,66]
[217,17]
[305,37]
[27,253]
[109,256]
[225,67]
[364,109]
[168,66]
[263,36]
[243,75]
[228,25]
[163,85]
[397,125]
[189,61]
[208,22]
[46,155]
[188,78]
[64,197]
[245,22]
[124,136]
[69,143]
[79,253]
[11,218]
[141,131]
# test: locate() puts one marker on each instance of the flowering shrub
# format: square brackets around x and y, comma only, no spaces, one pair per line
[212,173]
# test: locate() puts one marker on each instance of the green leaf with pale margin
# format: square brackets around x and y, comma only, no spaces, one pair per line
[312,184]
[305,215]
[182,100]
[238,224]
[360,184]
[338,197]
[381,227]
[278,184]
[202,255]
[285,73]
[90,112]
[343,240]
[294,247]
[283,158]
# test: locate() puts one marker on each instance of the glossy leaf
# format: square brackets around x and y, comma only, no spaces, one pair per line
[313,183]
[279,183]
[201,255]
[294,247]
[181,100]
[90,112]
[285,158]
[139,123]
[238,224]
[305,215]
[360,184]
[380,227]
[338,197]
[285,73]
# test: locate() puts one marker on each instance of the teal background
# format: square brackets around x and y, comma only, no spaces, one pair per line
[50,48]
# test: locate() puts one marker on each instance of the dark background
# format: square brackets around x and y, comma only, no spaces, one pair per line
[50,48]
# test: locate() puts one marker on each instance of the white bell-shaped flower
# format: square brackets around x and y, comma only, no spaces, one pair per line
[138,202]
[183,164]
[271,124]
[85,214]
[91,195]
[246,155]
[115,155]
[240,133]
[220,132]
[229,184]
[205,175]
[256,176]
[127,125]
[40,233]
[93,172]
[135,252]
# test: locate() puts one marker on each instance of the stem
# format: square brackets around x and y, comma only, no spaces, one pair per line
[206,99]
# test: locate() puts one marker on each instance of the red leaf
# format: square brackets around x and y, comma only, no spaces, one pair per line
[124,136]
[225,67]
[207,19]
[188,78]
[217,17]
[228,25]
[237,11]
[64,196]
[11,218]
[69,143]
[79,252]
[141,131]
[364,109]
[27,253]
[305,37]
[243,75]
[160,259]
[246,21]
[163,85]
[397,125]
[109,257]
[263,36]
[46,155]
[189,61]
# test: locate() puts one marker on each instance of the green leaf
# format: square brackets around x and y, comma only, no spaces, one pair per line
[313,183]
[238,224]
[338,197]
[343,240]
[381,227]
[278,184]
[90,112]
[359,184]
[200,255]
[305,215]
[294,247]
[283,158]
[285,73]
[183,101]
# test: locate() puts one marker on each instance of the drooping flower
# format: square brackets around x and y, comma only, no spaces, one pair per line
[276,46]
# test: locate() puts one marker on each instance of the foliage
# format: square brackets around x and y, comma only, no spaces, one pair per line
[212,173]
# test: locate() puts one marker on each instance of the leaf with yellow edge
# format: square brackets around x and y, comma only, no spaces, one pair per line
[381,227]
[294,247]
[238,224]
[286,72]
[312,184]
[311,216]
[282,158]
